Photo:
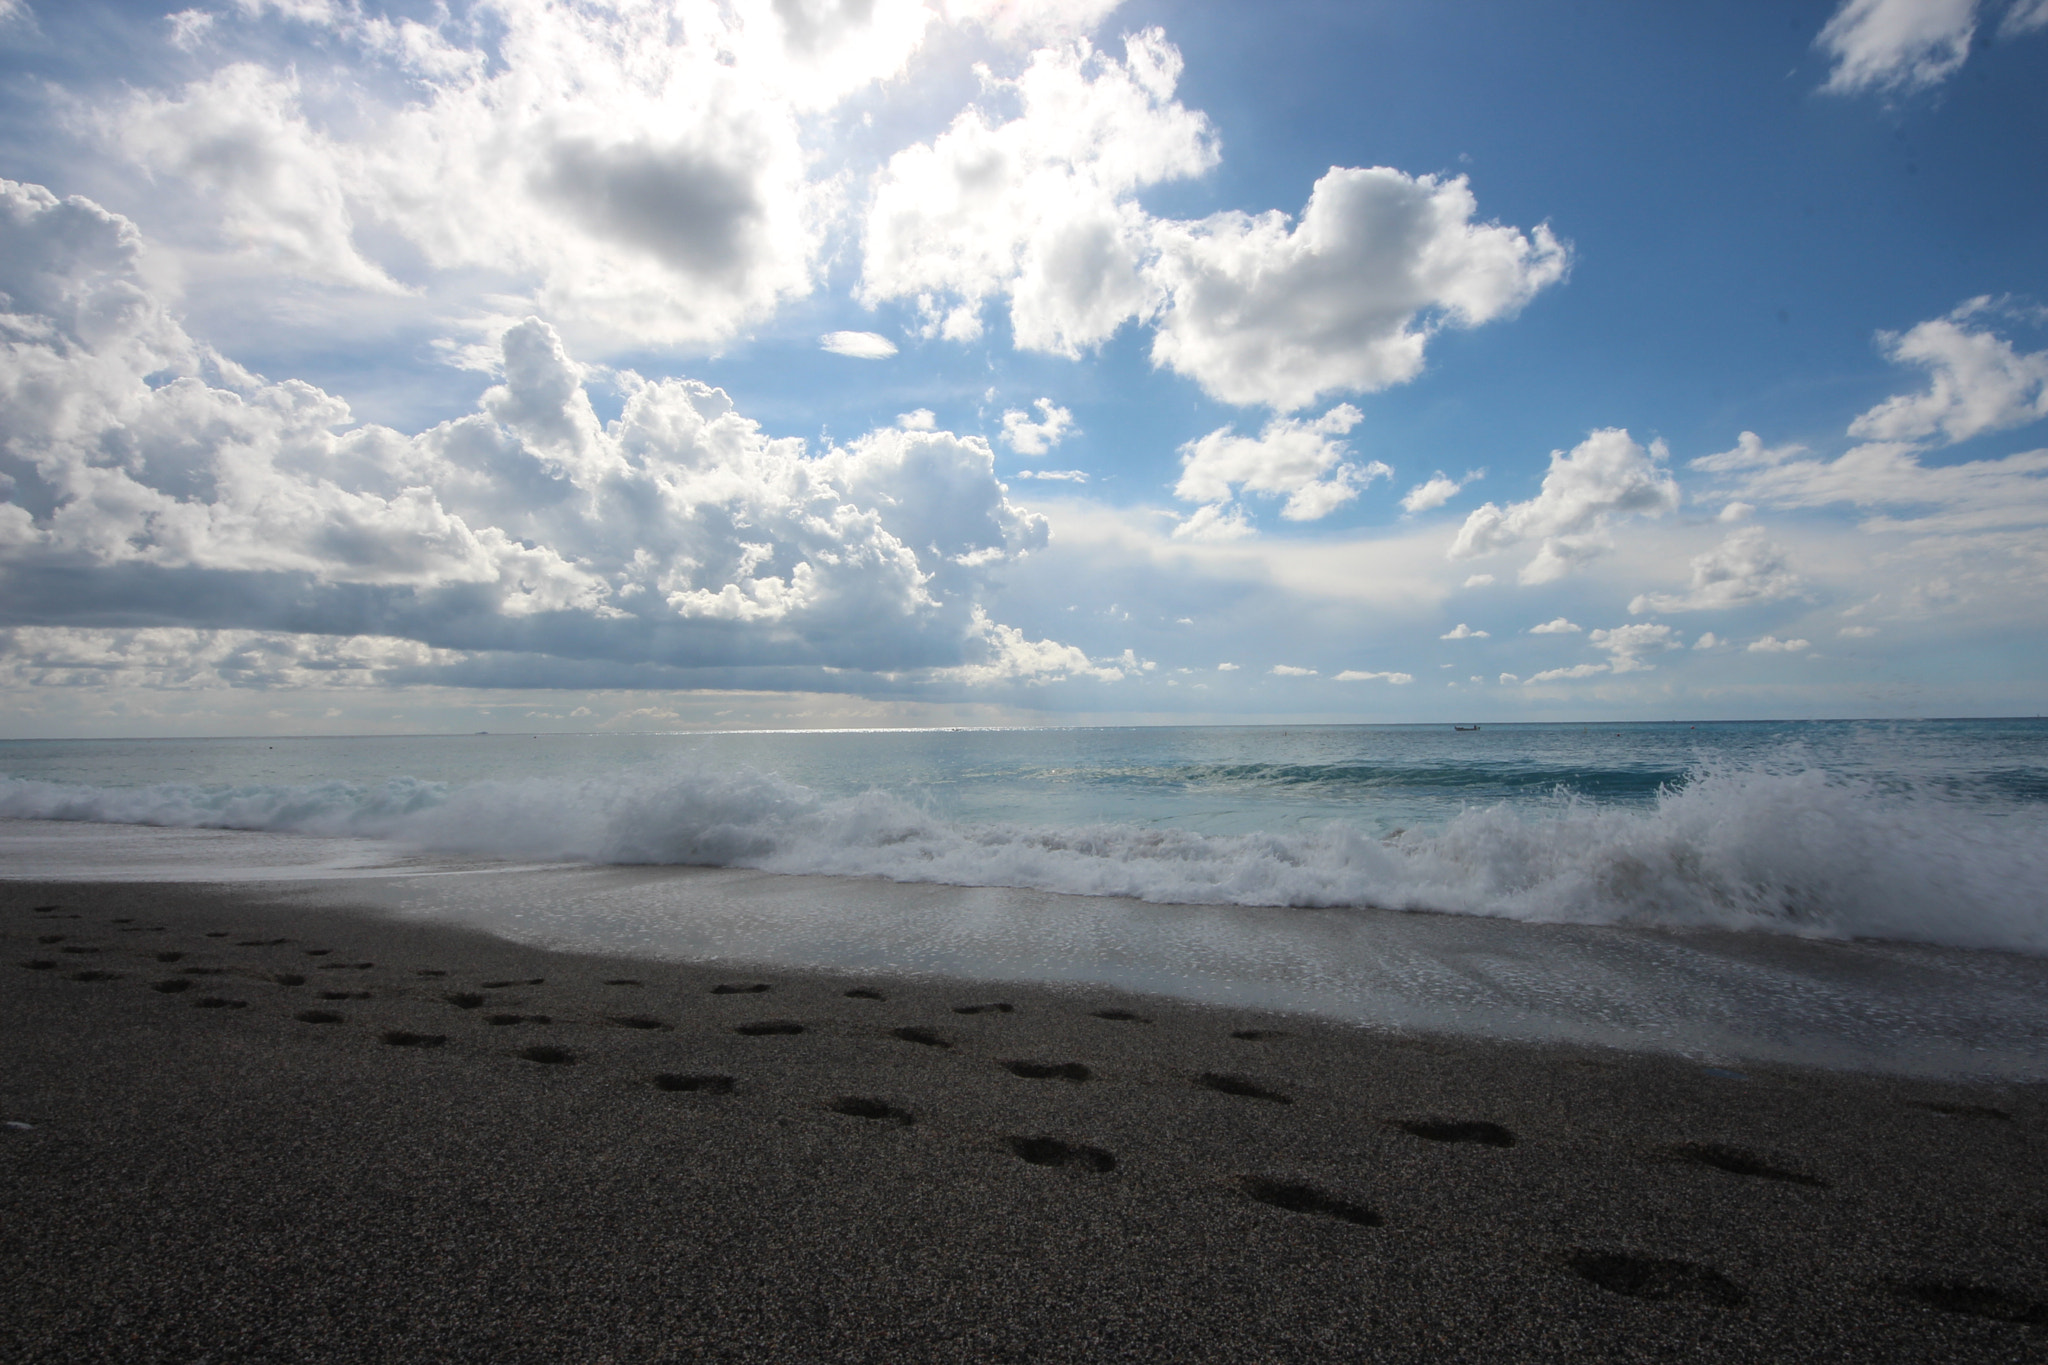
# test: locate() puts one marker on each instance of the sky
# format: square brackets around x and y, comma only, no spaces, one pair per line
[672,364]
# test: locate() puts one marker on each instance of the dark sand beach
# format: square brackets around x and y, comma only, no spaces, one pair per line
[242,1131]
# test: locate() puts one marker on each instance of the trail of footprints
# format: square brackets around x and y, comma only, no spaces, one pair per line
[1621,1272]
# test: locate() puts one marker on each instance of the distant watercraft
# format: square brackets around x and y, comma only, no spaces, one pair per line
[1464,727]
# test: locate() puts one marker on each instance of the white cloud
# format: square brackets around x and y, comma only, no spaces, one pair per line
[1857,632]
[1977,383]
[918,419]
[1627,644]
[1290,671]
[1268,311]
[1555,626]
[1563,674]
[1461,631]
[1708,640]
[1969,497]
[1055,475]
[1896,44]
[1010,657]
[636,172]
[1479,580]
[1218,522]
[1027,437]
[859,345]
[1039,207]
[1032,21]
[137,464]
[1300,458]
[176,659]
[1437,491]
[1771,644]
[1736,511]
[1606,477]
[1226,668]
[1507,678]
[1354,675]
[1746,567]
[2025,16]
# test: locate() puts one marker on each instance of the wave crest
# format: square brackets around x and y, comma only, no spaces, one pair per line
[1784,849]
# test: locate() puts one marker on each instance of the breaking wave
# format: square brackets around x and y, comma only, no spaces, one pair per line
[1777,848]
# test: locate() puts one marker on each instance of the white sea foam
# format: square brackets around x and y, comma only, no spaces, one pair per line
[1785,849]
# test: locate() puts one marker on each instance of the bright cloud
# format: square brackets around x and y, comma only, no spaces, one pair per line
[1561,674]
[1040,207]
[859,345]
[1290,671]
[1977,383]
[1896,44]
[1027,437]
[1627,644]
[1556,626]
[1973,496]
[1604,479]
[1299,458]
[142,468]
[1461,631]
[1771,644]
[1746,567]
[1354,675]
[1259,310]
[1435,492]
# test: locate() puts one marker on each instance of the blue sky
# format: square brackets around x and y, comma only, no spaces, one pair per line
[847,362]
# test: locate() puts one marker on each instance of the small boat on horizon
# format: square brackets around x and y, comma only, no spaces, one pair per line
[1464,727]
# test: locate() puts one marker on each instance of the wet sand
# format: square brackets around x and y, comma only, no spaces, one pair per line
[240,1130]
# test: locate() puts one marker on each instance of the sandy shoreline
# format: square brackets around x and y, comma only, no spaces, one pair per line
[303,1173]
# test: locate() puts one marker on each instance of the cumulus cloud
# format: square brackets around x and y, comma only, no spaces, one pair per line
[151,483]
[177,659]
[1436,491]
[1027,437]
[1771,644]
[1555,626]
[1746,567]
[1857,632]
[859,345]
[1562,674]
[635,172]
[1040,207]
[1302,459]
[1478,580]
[1290,671]
[1354,675]
[1707,640]
[1605,478]
[1265,310]
[1627,644]
[1217,522]
[1461,631]
[1896,44]
[1977,383]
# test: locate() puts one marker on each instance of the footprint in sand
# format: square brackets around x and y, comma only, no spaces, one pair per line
[1122,1016]
[769,1028]
[1736,1161]
[1655,1277]
[501,1020]
[400,1038]
[464,1000]
[855,1107]
[696,1085]
[1974,1300]
[1298,1197]
[501,985]
[999,1007]
[754,988]
[1048,1071]
[865,993]
[639,1021]
[549,1056]
[1050,1151]
[317,1017]
[1258,1035]
[920,1035]
[1240,1086]
[215,1002]
[1458,1130]
[175,986]
[95,976]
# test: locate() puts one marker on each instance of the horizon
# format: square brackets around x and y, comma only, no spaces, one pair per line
[670,367]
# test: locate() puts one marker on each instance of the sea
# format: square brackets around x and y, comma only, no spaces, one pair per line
[1863,894]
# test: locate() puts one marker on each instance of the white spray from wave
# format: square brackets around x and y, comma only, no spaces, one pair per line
[1789,850]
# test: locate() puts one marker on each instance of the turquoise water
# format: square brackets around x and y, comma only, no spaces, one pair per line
[1934,831]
